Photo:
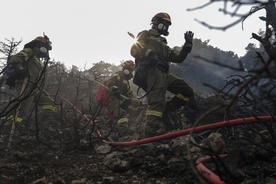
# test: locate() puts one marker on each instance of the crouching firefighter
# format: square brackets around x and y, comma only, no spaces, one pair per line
[152,56]
[26,76]
[118,98]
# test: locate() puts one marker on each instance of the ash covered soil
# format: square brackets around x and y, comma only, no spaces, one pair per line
[70,153]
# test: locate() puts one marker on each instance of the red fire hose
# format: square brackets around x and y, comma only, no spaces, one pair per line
[201,128]
[206,173]
[83,115]
[179,133]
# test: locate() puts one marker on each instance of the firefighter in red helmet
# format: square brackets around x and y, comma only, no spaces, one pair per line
[120,99]
[152,57]
[26,78]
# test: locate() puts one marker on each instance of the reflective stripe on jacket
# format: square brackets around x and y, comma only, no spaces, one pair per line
[154,113]
[119,81]
[150,41]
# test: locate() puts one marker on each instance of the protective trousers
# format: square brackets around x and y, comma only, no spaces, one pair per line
[157,97]
[30,97]
[118,110]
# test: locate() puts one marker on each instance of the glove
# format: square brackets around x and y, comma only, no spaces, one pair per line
[21,74]
[115,91]
[11,81]
[134,102]
[189,36]
[9,71]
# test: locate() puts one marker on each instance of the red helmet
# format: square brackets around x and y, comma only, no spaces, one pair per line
[41,39]
[160,17]
[44,40]
[129,64]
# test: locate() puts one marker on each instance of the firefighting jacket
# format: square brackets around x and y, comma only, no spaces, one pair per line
[150,41]
[119,81]
[28,60]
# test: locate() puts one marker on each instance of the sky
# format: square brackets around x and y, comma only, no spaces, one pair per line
[84,32]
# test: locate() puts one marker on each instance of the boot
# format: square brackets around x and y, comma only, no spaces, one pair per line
[123,130]
[192,104]
[170,107]
[167,122]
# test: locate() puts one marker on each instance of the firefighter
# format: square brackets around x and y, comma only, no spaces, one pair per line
[121,99]
[152,56]
[27,78]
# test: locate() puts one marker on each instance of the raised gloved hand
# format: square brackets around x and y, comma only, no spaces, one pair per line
[189,36]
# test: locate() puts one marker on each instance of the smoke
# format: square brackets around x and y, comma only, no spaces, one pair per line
[204,76]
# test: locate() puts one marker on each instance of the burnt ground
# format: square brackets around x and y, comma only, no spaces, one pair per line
[51,150]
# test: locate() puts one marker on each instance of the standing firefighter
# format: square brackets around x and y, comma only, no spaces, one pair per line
[119,98]
[27,77]
[152,56]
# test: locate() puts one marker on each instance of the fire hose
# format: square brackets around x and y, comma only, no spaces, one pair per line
[197,129]
[206,173]
[201,128]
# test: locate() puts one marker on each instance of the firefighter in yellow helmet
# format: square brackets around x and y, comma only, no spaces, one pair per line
[28,75]
[121,99]
[152,57]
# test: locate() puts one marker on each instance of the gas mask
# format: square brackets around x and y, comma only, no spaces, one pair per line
[43,50]
[163,28]
[128,73]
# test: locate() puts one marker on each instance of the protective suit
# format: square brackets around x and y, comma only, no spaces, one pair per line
[121,99]
[152,57]
[28,78]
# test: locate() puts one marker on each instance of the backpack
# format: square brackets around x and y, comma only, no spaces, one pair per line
[102,94]
[11,74]
[139,78]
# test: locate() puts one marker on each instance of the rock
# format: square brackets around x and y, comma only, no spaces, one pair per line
[103,149]
[214,143]
[80,181]
[108,179]
[179,146]
[270,180]
[40,181]
[117,164]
